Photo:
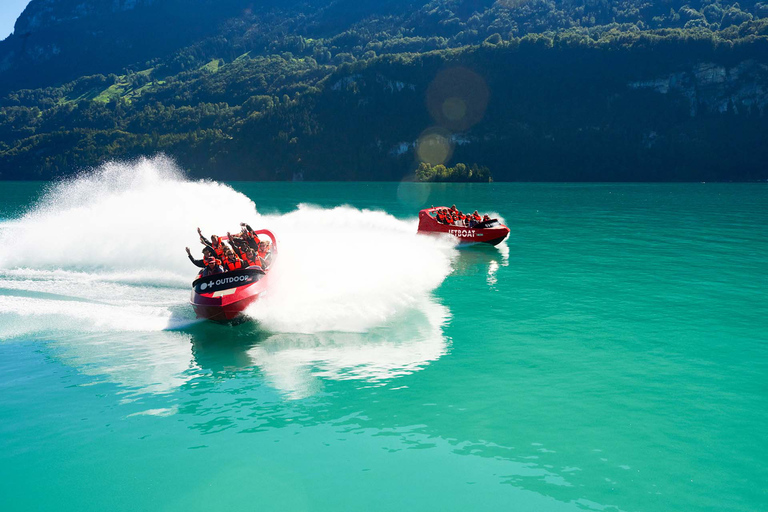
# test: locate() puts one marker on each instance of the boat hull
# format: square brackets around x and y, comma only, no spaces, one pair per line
[213,308]
[223,297]
[494,235]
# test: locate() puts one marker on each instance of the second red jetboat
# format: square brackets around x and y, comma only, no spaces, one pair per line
[223,297]
[489,232]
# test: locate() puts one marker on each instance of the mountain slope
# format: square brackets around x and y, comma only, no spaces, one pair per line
[535,90]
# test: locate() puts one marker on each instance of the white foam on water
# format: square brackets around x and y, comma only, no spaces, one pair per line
[105,251]
[30,315]
[344,269]
[162,412]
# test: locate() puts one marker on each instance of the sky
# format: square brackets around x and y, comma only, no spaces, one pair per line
[9,11]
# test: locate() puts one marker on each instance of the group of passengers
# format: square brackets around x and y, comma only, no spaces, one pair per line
[455,217]
[244,250]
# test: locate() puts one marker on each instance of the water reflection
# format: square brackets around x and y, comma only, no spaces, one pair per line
[293,364]
[146,362]
[296,363]
[483,258]
[223,349]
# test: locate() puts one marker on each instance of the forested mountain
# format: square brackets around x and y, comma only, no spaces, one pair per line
[533,89]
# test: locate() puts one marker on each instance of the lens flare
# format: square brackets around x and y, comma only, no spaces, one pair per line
[434,146]
[455,109]
[457,99]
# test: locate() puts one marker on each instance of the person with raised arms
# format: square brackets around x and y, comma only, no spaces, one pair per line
[207,252]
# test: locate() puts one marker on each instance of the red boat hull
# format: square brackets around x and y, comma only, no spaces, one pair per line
[488,235]
[222,309]
[223,297]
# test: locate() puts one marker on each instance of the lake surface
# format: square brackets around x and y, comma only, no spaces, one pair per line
[612,356]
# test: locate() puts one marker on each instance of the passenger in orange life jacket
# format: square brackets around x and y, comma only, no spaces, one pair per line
[253,259]
[249,256]
[248,236]
[207,253]
[211,267]
[238,239]
[231,261]
[486,218]
[239,246]
[218,247]
[215,244]
[264,253]
[476,216]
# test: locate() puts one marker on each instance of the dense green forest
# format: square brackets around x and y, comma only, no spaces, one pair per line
[458,173]
[535,90]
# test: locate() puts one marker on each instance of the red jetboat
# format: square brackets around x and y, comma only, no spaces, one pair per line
[488,232]
[223,297]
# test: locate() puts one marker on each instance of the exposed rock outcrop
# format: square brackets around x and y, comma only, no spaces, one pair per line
[715,88]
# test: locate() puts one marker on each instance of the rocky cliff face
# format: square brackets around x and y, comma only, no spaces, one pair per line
[710,87]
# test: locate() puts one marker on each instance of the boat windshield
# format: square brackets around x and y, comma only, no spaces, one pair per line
[488,224]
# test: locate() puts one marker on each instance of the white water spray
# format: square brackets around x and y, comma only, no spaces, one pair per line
[116,236]
[344,269]
[122,217]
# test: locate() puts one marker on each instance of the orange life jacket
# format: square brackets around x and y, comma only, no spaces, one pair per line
[251,262]
[262,254]
[218,248]
[232,265]
[476,217]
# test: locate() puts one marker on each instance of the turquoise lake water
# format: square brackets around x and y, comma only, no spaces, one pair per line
[612,356]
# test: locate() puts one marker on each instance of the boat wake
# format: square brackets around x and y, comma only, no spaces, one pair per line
[104,252]
[106,249]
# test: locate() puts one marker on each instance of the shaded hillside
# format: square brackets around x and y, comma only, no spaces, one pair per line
[55,41]
[366,90]
[59,40]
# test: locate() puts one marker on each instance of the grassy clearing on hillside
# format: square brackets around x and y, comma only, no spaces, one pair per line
[212,66]
[127,87]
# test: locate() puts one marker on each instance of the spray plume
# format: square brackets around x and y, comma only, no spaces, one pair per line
[116,235]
